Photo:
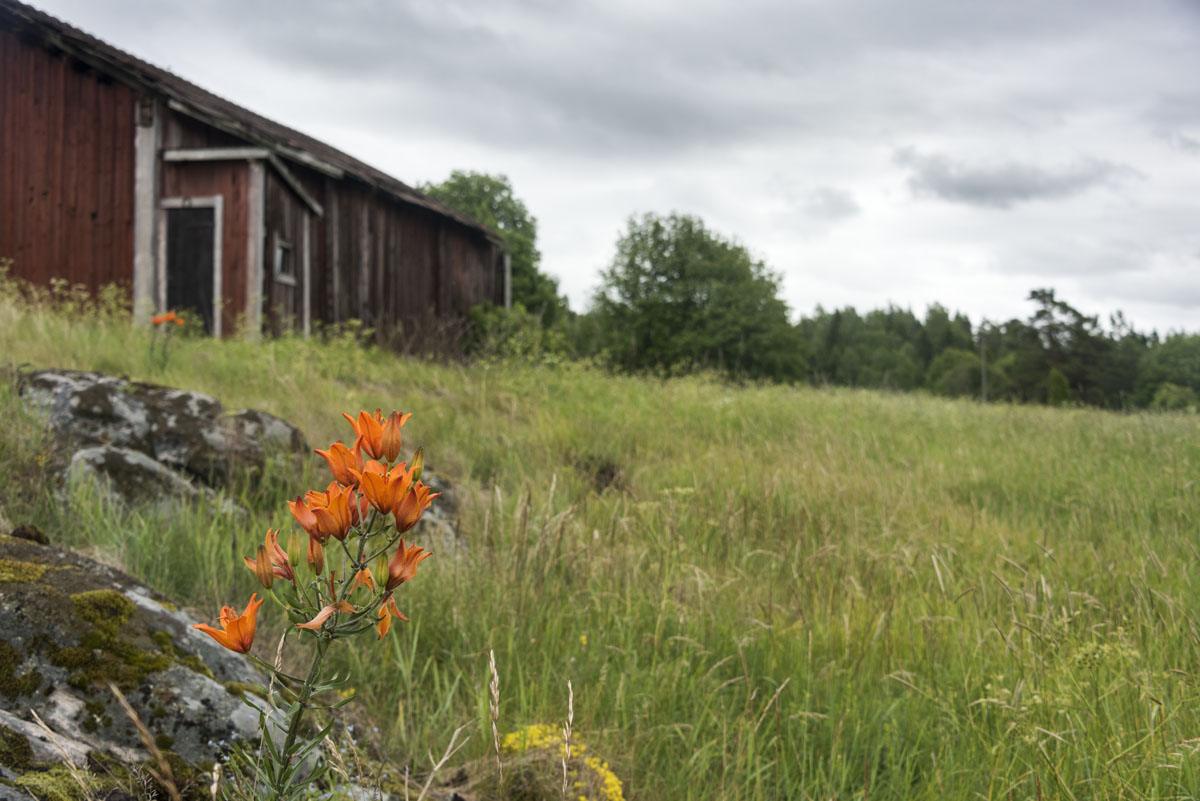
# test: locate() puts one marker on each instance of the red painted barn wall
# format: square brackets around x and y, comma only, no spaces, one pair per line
[66,168]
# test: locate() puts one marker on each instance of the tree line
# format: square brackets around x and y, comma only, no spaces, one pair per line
[678,297]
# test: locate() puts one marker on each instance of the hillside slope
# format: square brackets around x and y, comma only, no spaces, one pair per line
[756,592]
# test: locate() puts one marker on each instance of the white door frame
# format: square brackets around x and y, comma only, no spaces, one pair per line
[217,204]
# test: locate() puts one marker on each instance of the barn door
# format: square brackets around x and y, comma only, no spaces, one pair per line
[191,257]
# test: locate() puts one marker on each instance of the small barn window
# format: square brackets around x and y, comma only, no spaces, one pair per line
[285,264]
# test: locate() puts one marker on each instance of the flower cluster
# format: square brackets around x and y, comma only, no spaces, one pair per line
[364,512]
[159,352]
[167,317]
[594,780]
[357,559]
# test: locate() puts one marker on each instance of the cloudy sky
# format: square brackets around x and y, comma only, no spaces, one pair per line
[871,151]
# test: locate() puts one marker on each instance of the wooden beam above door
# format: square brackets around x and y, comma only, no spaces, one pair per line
[215,153]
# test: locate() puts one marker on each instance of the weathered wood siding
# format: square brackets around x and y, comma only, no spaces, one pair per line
[182,131]
[66,168]
[405,272]
[286,219]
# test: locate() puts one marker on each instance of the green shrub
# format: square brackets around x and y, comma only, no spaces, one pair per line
[1174,398]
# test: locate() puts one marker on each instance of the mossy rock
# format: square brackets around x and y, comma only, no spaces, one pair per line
[178,433]
[13,571]
[57,784]
[72,628]
[15,680]
[16,754]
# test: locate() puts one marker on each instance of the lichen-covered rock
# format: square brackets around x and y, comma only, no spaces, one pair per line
[71,627]
[129,475]
[89,408]
[147,443]
[188,432]
[267,431]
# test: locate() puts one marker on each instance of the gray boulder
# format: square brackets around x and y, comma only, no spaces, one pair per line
[269,433]
[72,626]
[129,476]
[150,443]
[186,431]
[89,408]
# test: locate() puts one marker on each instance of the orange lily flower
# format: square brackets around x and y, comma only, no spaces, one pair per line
[403,564]
[167,317]
[387,610]
[271,562]
[304,516]
[410,508]
[326,613]
[385,488]
[363,578]
[327,514]
[237,631]
[345,463]
[336,518]
[379,437]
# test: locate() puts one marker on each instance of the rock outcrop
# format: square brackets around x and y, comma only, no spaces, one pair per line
[149,441]
[72,626]
[149,444]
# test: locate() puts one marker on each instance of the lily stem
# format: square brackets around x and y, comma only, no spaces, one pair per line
[306,694]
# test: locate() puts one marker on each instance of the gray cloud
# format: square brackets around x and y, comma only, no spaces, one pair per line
[1002,185]
[638,80]
[1183,142]
[830,203]
[776,120]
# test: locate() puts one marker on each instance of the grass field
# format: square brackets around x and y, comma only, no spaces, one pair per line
[757,593]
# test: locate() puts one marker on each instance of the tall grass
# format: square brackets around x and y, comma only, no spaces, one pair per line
[757,593]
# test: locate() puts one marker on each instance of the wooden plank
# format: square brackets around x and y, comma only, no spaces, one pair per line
[306,276]
[363,285]
[333,261]
[121,199]
[145,190]
[255,242]
[295,186]
[215,153]
[6,89]
[507,280]
[311,161]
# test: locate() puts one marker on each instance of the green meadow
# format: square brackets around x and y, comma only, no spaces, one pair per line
[757,592]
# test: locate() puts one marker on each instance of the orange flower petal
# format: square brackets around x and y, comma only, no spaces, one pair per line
[362,578]
[402,566]
[237,631]
[324,615]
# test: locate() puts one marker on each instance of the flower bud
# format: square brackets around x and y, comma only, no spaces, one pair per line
[316,555]
[418,464]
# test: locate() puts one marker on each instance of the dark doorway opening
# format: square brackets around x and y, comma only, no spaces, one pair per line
[190,254]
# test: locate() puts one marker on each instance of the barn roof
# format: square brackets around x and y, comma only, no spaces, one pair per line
[188,98]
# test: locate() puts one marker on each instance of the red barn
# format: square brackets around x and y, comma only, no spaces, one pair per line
[115,171]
